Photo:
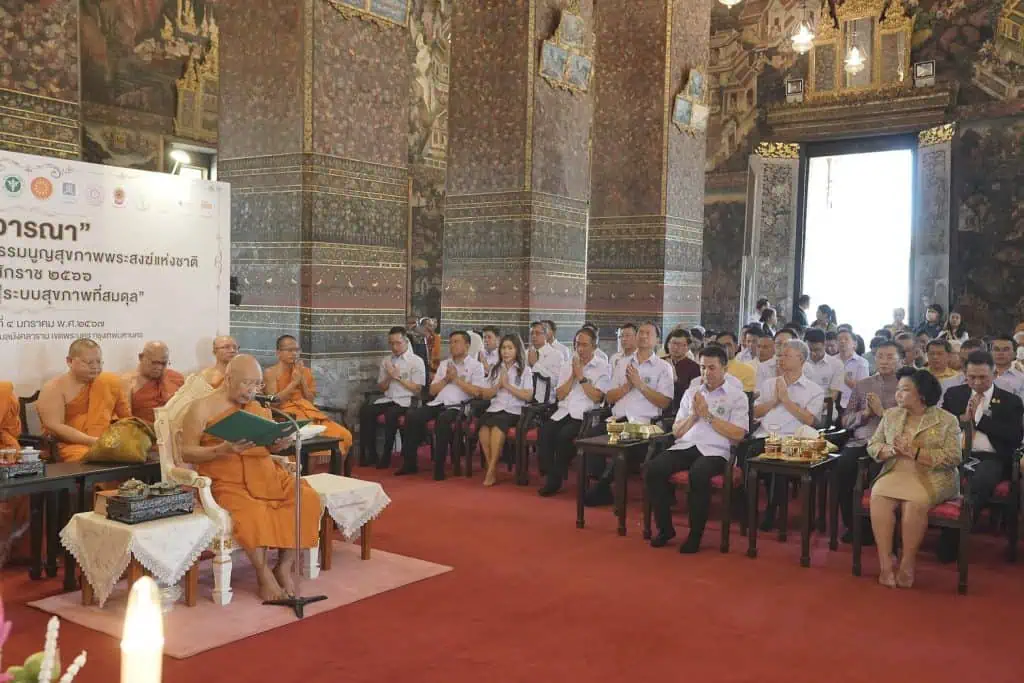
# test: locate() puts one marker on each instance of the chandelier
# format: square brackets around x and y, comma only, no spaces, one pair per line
[730,3]
[854,62]
[803,39]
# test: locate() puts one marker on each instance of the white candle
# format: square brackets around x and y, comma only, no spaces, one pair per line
[142,645]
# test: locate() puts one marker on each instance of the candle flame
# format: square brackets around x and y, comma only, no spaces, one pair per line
[143,621]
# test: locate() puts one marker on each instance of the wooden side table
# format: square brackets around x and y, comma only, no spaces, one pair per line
[350,506]
[620,454]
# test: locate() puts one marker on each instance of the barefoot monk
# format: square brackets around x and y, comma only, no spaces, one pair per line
[249,482]
[78,406]
[152,383]
[294,385]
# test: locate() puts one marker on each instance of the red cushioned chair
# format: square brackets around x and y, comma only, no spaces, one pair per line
[952,514]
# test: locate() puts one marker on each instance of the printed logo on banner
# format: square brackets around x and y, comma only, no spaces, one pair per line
[120,197]
[42,188]
[13,185]
[69,191]
[94,195]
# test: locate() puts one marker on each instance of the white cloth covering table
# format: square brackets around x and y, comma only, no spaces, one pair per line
[167,548]
[351,505]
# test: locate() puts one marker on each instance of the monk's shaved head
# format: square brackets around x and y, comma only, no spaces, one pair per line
[80,346]
[224,349]
[243,379]
[154,359]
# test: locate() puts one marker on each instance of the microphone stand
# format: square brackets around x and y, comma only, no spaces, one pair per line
[296,602]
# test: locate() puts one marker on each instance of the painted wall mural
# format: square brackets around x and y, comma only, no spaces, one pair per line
[38,53]
[978,48]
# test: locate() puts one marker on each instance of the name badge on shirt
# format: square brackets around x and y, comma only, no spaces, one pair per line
[648,380]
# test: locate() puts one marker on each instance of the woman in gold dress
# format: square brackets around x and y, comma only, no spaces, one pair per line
[918,445]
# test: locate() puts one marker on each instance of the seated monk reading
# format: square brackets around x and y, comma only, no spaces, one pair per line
[152,383]
[295,388]
[78,406]
[224,349]
[13,513]
[249,482]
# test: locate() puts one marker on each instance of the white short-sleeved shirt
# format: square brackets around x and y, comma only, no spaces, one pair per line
[549,364]
[469,370]
[767,370]
[804,392]
[505,400]
[576,402]
[856,366]
[411,369]
[492,357]
[827,373]
[1012,380]
[727,402]
[563,350]
[656,373]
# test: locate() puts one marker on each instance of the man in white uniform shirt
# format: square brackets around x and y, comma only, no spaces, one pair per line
[458,379]
[855,368]
[1008,378]
[768,368]
[751,335]
[489,356]
[784,404]
[826,371]
[713,416]
[581,386]
[642,388]
[544,360]
[562,349]
[401,377]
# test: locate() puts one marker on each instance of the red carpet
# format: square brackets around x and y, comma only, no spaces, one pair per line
[533,598]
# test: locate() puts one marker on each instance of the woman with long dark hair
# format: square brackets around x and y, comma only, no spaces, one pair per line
[510,387]
[825,318]
[955,330]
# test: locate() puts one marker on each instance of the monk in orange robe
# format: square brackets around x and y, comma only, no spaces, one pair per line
[13,513]
[295,388]
[78,406]
[249,482]
[152,383]
[224,349]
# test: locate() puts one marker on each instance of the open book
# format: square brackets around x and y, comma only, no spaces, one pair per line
[244,426]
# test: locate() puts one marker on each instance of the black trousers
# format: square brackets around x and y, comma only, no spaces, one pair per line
[660,490]
[368,415]
[556,447]
[415,433]
[846,478]
[987,474]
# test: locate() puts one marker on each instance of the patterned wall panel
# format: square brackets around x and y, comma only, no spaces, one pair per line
[930,277]
[774,220]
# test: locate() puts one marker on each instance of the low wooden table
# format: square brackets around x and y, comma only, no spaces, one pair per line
[135,572]
[620,454]
[319,444]
[812,475]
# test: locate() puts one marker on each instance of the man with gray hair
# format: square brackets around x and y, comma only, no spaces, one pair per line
[783,405]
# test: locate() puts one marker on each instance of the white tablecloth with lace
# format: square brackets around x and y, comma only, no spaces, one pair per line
[167,548]
[351,503]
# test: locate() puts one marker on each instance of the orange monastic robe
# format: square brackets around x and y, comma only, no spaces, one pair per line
[260,494]
[14,512]
[92,411]
[302,409]
[154,394]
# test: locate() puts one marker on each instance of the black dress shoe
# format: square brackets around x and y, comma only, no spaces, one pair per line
[549,489]
[601,494]
[691,545]
[662,539]
[403,470]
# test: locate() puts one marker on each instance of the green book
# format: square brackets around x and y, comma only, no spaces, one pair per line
[244,426]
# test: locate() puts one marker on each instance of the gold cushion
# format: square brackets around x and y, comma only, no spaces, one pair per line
[126,441]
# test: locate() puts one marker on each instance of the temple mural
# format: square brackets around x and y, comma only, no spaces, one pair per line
[430,25]
[977,47]
[988,253]
[141,61]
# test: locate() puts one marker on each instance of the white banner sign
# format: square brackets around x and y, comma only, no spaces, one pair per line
[117,255]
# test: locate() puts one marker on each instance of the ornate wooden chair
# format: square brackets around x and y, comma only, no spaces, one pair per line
[174,469]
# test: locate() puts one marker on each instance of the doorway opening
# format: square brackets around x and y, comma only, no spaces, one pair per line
[857,236]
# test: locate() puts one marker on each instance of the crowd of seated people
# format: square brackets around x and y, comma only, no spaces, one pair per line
[904,401]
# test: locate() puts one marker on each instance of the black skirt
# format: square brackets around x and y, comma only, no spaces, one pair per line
[502,420]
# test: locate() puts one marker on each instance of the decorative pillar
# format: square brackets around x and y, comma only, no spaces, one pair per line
[646,228]
[515,231]
[930,237]
[314,141]
[40,95]
[769,255]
